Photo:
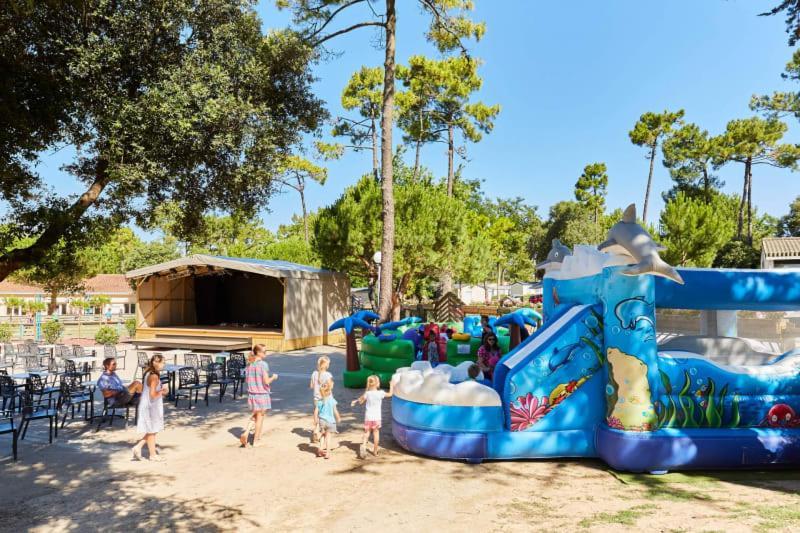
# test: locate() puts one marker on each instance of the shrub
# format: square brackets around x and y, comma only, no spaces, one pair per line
[130,325]
[6,331]
[52,331]
[106,335]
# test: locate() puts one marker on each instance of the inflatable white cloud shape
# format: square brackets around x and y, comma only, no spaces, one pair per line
[422,384]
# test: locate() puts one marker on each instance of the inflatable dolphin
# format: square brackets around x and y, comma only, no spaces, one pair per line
[555,256]
[629,238]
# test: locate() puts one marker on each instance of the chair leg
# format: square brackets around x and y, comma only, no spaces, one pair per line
[64,420]
[55,426]
[221,391]
[14,435]
[50,424]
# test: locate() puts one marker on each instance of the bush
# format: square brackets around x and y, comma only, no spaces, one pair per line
[130,325]
[106,335]
[52,331]
[6,331]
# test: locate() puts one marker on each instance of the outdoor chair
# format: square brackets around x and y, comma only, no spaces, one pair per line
[142,360]
[9,353]
[188,382]
[235,370]
[33,410]
[38,385]
[10,391]
[73,394]
[78,351]
[239,358]
[31,363]
[191,359]
[110,350]
[7,426]
[215,375]
[110,412]
[71,369]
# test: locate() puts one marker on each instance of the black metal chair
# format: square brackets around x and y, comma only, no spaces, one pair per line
[38,385]
[110,412]
[215,375]
[71,369]
[32,363]
[110,350]
[235,370]
[191,359]
[189,382]
[33,410]
[7,426]
[10,391]
[239,358]
[9,353]
[74,394]
[142,360]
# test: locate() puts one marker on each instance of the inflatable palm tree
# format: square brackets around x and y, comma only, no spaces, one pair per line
[356,320]
[516,321]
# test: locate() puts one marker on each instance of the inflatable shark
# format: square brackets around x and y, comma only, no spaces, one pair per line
[555,256]
[626,237]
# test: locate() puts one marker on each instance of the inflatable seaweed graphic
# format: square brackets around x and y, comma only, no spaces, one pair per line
[703,408]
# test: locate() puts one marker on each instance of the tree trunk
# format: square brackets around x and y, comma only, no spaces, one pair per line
[51,306]
[387,175]
[450,174]
[649,182]
[301,189]
[416,158]
[446,281]
[61,223]
[516,336]
[740,217]
[750,205]
[375,150]
[351,353]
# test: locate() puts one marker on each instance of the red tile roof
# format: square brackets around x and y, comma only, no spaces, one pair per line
[100,284]
[13,287]
[108,284]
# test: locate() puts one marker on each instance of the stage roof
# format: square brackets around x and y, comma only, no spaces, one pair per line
[276,269]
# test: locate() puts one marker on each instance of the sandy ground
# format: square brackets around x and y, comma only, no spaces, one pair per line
[88,481]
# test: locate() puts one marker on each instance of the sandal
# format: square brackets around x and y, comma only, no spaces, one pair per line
[137,454]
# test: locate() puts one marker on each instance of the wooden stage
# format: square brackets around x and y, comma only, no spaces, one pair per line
[203,338]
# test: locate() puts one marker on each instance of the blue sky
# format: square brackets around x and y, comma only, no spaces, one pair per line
[572,78]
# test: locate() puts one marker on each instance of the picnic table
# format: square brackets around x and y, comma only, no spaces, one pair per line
[26,375]
[171,371]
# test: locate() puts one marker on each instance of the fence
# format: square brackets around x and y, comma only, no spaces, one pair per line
[26,327]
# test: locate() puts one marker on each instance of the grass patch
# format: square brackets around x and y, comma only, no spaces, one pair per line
[778,517]
[626,517]
[669,487]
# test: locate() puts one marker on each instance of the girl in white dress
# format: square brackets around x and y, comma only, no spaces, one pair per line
[151,408]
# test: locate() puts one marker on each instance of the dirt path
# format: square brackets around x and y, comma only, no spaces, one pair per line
[87,481]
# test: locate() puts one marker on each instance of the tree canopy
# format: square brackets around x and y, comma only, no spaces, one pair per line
[176,101]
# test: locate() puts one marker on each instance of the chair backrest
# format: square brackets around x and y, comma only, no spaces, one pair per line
[215,372]
[110,350]
[78,351]
[9,349]
[205,360]
[69,366]
[144,360]
[235,368]
[190,359]
[30,361]
[188,376]
[62,350]
[70,384]
[238,357]
[35,383]
[7,386]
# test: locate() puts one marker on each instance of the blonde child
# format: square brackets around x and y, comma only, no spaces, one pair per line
[318,377]
[258,381]
[373,397]
[326,416]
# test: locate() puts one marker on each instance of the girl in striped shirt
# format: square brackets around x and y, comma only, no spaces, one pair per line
[258,381]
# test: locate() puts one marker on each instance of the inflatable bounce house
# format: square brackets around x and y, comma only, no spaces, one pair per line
[593,381]
[392,345]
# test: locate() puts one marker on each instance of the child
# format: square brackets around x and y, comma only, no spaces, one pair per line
[489,355]
[258,382]
[151,408]
[326,416]
[473,372]
[373,396]
[318,377]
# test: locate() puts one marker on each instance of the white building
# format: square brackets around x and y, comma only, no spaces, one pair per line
[524,289]
[113,286]
[780,252]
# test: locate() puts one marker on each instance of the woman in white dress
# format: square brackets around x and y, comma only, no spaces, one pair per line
[151,408]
